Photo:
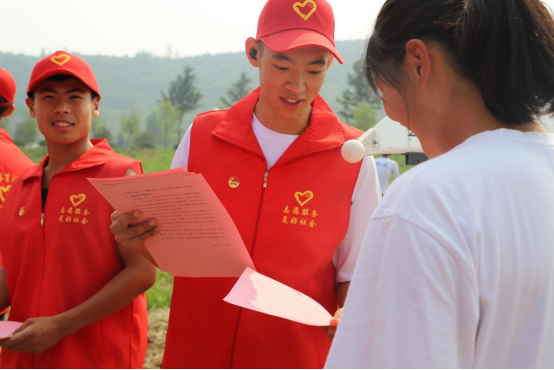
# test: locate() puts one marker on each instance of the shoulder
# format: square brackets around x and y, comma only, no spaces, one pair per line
[438,187]
[122,163]
[210,116]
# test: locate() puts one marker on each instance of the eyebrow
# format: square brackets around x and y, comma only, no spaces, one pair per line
[57,92]
[319,62]
[284,58]
[75,90]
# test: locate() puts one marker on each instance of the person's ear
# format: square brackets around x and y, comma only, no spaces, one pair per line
[96,104]
[418,62]
[10,110]
[252,51]
[31,105]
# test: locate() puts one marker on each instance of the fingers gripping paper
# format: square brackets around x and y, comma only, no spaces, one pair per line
[260,293]
[198,238]
[8,327]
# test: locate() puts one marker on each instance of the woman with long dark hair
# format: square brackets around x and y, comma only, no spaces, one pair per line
[457,268]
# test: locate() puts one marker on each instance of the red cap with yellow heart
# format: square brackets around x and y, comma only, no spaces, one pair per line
[63,63]
[7,87]
[286,25]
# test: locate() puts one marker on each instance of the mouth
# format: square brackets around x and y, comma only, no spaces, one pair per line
[62,125]
[292,103]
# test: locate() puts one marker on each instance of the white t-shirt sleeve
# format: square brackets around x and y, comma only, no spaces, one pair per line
[411,304]
[366,198]
[181,158]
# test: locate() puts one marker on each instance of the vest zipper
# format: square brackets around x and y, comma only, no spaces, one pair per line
[43,261]
[264,186]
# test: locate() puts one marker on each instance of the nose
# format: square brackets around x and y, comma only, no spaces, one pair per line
[62,106]
[295,83]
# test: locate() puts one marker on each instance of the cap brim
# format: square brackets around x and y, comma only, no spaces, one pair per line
[54,72]
[295,39]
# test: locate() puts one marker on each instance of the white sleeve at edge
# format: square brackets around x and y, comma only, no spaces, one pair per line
[181,158]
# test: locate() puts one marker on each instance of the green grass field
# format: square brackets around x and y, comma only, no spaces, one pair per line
[152,161]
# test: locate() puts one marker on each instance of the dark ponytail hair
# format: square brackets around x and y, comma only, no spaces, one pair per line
[506,47]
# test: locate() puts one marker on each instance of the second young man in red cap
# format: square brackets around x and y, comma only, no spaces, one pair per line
[79,294]
[12,159]
[274,161]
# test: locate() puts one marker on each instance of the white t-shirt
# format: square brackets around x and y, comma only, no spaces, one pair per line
[457,267]
[386,168]
[365,199]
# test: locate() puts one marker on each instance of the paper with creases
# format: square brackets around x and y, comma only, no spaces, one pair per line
[260,293]
[198,238]
[8,327]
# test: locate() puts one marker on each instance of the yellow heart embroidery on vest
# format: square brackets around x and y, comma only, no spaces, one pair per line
[4,190]
[303,198]
[61,59]
[298,5]
[77,199]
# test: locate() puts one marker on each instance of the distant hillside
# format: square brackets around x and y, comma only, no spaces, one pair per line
[135,82]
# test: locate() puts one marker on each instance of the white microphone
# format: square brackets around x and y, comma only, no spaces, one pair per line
[387,137]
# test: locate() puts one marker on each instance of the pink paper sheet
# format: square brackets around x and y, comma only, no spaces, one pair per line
[260,293]
[198,237]
[8,327]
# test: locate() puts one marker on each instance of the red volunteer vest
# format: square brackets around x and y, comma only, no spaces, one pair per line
[56,260]
[12,163]
[292,219]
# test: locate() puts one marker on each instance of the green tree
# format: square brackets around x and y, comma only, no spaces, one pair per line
[26,133]
[130,127]
[184,95]
[364,116]
[145,140]
[357,92]
[5,123]
[152,125]
[167,117]
[237,91]
[100,130]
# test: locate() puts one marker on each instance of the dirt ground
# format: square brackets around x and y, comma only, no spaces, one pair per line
[157,327]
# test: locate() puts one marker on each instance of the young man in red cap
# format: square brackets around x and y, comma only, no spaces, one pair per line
[274,161]
[79,294]
[12,159]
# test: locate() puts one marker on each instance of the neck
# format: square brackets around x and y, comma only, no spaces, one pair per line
[465,117]
[61,155]
[290,126]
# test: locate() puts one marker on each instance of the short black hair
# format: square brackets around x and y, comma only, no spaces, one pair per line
[60,78]
[506,47]
[3,109]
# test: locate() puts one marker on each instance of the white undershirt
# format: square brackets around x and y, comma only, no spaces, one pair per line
[457,267]
[365,199]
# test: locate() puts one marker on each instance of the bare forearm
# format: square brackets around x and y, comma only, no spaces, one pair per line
[342,291]
[116,294]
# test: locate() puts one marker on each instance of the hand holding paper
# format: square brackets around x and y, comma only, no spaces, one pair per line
[260,293]
[8,327]
[198,238]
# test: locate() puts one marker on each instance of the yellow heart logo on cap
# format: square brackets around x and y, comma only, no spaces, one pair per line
[4,190]
[308,3]
[77,199]
[61,59]
[303,198]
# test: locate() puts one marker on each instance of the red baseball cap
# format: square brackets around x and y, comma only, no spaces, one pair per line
[286,25]
[7,87]
[63,63]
